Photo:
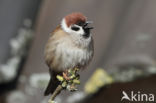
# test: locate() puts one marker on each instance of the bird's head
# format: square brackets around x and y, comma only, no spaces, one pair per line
[76,24]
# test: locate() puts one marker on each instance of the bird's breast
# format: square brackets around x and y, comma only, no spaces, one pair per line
[68,56]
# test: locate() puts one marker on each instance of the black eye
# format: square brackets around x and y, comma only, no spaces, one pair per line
[75,28]
[80,23]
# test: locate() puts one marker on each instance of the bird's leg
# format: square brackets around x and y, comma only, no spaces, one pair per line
[65,75]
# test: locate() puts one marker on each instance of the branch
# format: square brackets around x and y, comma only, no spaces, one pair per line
[69,84]
[55,93]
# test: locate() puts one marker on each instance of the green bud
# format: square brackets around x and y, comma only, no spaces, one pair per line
[64,84]
[60,78]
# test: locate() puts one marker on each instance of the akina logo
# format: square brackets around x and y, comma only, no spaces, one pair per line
[138,96]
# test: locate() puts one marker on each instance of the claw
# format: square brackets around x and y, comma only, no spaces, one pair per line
[65,75]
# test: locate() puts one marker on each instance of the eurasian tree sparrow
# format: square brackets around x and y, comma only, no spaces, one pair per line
[70,45]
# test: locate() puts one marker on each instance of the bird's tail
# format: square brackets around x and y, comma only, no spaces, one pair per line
[52,85]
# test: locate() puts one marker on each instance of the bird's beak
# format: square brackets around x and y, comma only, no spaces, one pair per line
[86,25]
[89,22]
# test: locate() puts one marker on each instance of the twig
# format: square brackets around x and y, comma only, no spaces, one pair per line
[56,92]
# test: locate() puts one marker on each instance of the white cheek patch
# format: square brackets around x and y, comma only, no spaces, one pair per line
[64,26]
[69,30]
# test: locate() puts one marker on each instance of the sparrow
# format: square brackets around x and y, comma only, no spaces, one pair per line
[69,46]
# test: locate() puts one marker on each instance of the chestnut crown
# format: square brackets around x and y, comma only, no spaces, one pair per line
[75,18]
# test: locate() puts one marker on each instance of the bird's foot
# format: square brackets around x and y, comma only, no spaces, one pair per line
[70,79]
[65,76]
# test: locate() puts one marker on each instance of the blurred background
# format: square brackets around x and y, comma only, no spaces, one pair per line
[125,52]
